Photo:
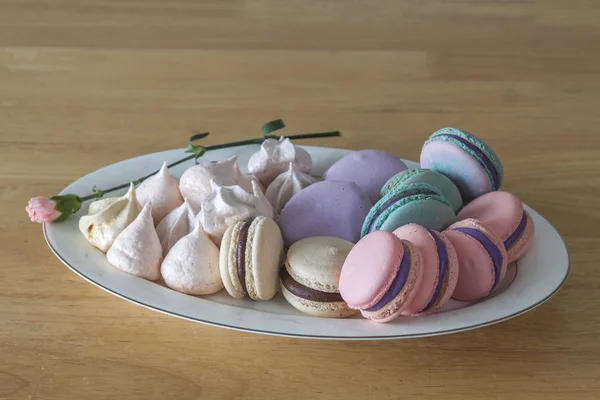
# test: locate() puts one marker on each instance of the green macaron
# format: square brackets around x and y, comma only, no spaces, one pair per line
[433,178]
[417,203]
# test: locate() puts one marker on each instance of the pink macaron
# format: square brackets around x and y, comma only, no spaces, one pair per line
[503,213]
[439,266]
[380,276]
[482,259]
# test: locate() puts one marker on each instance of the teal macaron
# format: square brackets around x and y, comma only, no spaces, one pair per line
[469,162]
[417,203]
[433,178]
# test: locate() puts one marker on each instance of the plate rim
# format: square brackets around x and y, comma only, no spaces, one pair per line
[301,335]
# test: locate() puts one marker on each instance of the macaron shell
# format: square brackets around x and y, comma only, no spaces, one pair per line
[499,211]
[370,269]
[265,246]
[228,255]
[452,275]
[523,244]
[430,271]
[429,213]
[463,169]
[318,309]
[395,307]
[316,262]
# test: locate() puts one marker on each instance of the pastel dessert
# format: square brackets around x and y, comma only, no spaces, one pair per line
[470,163]
[274,157]
[419,175]
[439,266]
[195,182]
[287,185]
[227,205]
[192,265]
[482,259]
[309,281]
[369,169]
[380,276]
[503,214]
[326,208]
[176,225]
[162,191]
[251,257]
[417,203]
[137,249]
[108,217]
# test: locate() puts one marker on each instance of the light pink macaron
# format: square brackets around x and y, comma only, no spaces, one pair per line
[482,259]
[439,266]
[503,213]
[380,276]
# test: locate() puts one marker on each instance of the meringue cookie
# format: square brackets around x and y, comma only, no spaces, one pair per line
[192,265]
[273,158]
[137,249]
[176,225]
[162,190]
[227,205]
[195,181]
[286,185]
[108,217]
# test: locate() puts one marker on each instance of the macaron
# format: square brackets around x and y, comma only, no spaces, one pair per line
[369,169]
[504,214]
[326,208]
[439,266]
[470,163]
[417,203]
[380,276]
[433,178]
[482,259]
[250,258]
[309,281]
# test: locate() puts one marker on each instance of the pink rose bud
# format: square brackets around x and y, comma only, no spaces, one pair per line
[41,209]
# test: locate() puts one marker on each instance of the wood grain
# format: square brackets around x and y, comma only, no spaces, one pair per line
[87,83]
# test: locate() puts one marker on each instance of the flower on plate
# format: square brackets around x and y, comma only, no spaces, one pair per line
[56,208]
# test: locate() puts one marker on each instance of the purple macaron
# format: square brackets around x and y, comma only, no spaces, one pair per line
[369,169]
[327,208]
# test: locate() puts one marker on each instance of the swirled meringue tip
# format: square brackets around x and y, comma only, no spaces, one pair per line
[195,181]
[162,191]
[108,217]
[176,225]
[286,185]
[137,249]
[226,205]
[273,158]
[192,265]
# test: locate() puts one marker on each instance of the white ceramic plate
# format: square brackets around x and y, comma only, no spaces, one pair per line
[536,278]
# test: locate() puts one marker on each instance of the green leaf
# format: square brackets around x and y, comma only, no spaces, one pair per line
[272,126]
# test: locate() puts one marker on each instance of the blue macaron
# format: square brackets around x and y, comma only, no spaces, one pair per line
[433,178]
[417,203]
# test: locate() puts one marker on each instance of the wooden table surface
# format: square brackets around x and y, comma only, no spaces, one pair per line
[87,83]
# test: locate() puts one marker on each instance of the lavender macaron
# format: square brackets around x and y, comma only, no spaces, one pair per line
[369,169]
[327,208]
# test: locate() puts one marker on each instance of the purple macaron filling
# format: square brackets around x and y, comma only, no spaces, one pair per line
[397,284]
[489,246]
[517,233]
[443,256]
[488,163]
[396,200]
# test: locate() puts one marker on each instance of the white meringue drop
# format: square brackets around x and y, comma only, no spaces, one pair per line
[286,185]
[137,249]
[192,265]
[108,217]
[176,225]
[162,190]
[274,157]
[195,181]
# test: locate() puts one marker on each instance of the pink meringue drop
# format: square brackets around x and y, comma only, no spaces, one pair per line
[162,191]
[176,225]
[274,157]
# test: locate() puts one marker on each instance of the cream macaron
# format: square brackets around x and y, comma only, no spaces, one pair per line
[251,257]
[309,281]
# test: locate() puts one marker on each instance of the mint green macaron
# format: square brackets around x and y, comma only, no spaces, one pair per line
[421,175]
